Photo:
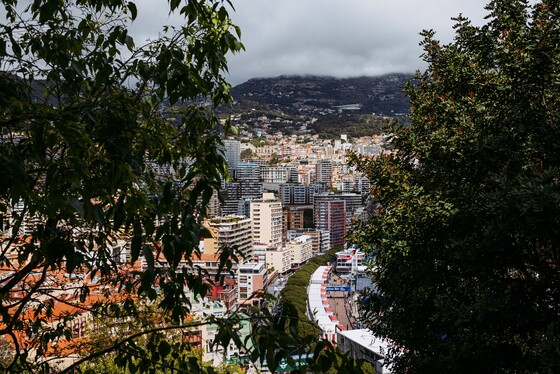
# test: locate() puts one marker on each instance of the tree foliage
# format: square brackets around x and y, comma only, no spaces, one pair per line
[292,301]
[353,125]
[465,239]
[247,153]
[88,159]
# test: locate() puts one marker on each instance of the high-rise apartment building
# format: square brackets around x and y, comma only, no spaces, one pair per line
[235,195]
[361,184]
[249,171]
[279,259]
[213,209]
[293,175]
[275,174]
[294,218]
[320,239]
[266,214]
[296,193]
[232,154]
[324,171]
[353,201]
[321,187]
[231,231]
[347,184]
[330,215]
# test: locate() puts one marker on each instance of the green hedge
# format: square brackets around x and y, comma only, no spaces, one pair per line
[294,294]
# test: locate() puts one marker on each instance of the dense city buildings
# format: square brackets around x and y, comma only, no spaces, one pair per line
[292,198]
[276,174]
[249,171]
[279,259]
[294,217]
[320,239]
[296,193]
[361,185]
[236,195]
[353,202]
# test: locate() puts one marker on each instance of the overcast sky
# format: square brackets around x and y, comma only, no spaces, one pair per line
[331,37]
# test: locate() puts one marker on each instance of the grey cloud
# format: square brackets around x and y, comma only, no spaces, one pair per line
[340,38]
[326,37]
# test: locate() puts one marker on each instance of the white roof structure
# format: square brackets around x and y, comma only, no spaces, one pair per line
[363,344]
[302,238]
[320,275]
[366,339]
[318,307]
[326,324]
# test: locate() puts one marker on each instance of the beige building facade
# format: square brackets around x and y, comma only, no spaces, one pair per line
[231,231]
[300,249]
[279,259]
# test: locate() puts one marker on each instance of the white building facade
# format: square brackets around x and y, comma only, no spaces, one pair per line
[266,215]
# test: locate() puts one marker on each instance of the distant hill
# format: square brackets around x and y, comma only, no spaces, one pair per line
[380,95]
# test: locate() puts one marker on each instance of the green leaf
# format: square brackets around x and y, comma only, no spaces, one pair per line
[133,10]
[164,348]
[149,256]
[77,205]
[136,242]
[174,4]
[16,49]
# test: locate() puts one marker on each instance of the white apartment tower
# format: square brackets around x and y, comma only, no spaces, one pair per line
[266,214]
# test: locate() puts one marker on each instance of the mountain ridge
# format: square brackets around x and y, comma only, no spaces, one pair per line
[382,95]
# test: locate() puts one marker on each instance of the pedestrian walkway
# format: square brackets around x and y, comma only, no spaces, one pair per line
[337,302]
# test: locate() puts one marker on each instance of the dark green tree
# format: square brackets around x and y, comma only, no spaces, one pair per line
[465,237]
[89,158]
[273,160]
[247,153]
